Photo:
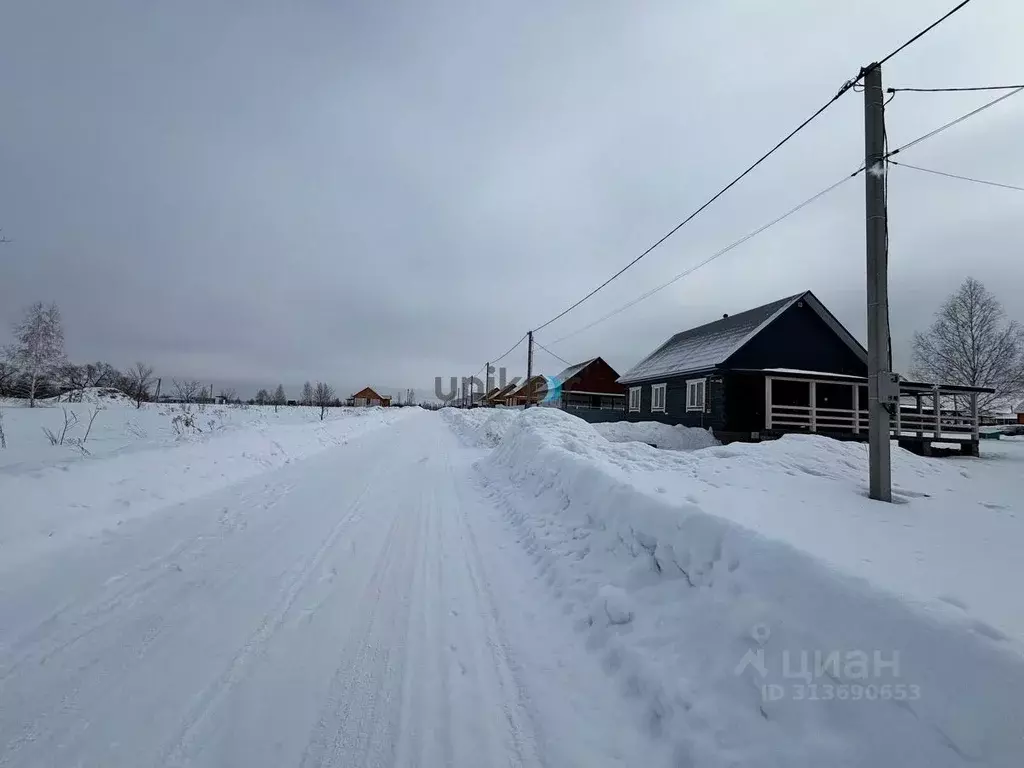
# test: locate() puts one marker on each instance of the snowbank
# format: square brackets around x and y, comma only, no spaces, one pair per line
[659,435]
[763,643]
[481,427]
[139,461]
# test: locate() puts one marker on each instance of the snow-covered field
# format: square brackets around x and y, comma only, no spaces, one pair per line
[140,460]
[763,609]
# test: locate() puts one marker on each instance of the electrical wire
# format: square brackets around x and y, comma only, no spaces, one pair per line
[561,359]
[510,350]
[925,31]
[954,90]
[951,123]
[843,89]
[955,176]
[711,258]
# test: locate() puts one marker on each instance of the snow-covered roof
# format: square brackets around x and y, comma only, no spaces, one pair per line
[572,370]
[706,346]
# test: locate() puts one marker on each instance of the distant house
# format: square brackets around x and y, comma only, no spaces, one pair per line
[367,397]
[787,366]
[591,384]
[498,395]
[533,389]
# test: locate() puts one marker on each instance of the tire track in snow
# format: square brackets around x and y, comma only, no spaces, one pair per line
[177,752]
[358,722]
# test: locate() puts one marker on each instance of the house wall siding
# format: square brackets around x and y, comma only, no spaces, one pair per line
[713,415]
[596,377]
[799,339]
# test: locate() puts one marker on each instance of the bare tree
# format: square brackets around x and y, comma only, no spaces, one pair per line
[39,344]
[8,375]
[323,397]
[187,390]
[228,395]
[279,398]
[262,397]
[972,343]
[307,394]
[136,381]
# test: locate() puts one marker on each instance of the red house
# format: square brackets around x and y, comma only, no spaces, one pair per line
[591,384]
[367,397]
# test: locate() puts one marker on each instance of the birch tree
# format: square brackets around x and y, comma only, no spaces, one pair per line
[972,343]
[38,344]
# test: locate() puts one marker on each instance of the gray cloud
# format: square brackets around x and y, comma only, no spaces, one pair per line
[381,193]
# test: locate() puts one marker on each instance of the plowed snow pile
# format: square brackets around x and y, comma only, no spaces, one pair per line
[657,435]
[761,610]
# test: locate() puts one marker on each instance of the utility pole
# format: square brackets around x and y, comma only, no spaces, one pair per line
[487,378]
[879,377]
[529,368]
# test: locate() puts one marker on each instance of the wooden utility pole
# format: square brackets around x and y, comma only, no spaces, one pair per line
[879,376]
[529,368]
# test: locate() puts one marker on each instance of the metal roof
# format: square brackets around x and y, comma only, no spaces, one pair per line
[706,346]
[572,370]
[711,345]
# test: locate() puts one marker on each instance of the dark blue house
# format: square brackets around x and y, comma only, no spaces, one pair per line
[716,375]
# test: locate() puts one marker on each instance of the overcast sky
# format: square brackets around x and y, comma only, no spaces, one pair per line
[385,192]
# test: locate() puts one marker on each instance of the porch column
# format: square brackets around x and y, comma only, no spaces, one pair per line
[813,396]
[856,409]
[975,425]
[938,412]
[767,402]
[920,415]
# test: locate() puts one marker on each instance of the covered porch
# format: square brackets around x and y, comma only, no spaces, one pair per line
[836,405]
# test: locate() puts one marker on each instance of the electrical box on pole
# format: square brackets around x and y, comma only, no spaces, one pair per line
[882,395]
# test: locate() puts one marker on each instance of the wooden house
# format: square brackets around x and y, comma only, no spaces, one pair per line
[533,389]
[787,366]
[367,397]
[592,384]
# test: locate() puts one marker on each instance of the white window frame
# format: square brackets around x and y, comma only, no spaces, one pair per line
[691,387]
[634,394]
[656,391]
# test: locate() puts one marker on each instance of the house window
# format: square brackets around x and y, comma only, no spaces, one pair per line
[695,389]
[658,397]
[634,399]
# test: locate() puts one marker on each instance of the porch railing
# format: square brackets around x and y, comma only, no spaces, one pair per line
[925,413]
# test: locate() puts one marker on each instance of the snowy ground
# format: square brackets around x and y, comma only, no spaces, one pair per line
[764,610]
[492,587]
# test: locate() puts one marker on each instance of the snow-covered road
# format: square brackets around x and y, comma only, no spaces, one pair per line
[364,607]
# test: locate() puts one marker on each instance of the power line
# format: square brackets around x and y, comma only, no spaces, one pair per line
[845,87]
[951,123]
[961,178]
[954,90]
[510,350]
[924,31]
[712,257]
[562,359]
